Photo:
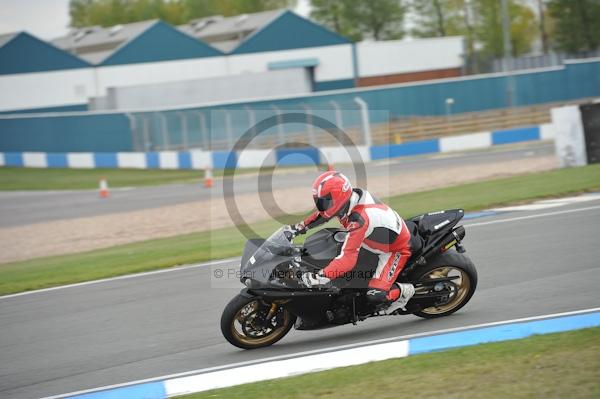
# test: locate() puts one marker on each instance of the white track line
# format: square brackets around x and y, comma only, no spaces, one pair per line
[540,215]
[217,262]
[125,277]
[325,350]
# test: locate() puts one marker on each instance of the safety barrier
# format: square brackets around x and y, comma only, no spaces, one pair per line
[199,159]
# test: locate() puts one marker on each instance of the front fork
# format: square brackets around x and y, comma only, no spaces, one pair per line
[272,310]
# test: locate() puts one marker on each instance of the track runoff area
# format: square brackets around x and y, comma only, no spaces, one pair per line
[506,306]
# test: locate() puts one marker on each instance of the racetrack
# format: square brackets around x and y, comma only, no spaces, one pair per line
[120,330]
[20,208]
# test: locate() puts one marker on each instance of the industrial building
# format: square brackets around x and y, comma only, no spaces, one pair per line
[146,64]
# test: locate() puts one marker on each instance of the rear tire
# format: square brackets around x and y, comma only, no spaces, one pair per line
[243,324]
[456,263]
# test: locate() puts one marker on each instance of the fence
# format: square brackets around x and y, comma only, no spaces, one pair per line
[538,61]
[185,130]
[222,129]
[420,128]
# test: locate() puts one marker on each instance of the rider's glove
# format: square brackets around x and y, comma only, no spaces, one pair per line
[297,229]
[300,228]
[314,279]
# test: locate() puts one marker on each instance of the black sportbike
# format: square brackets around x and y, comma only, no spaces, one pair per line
[276,299]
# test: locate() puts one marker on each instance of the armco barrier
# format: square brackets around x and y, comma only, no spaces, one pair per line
[279,367]
[198,159]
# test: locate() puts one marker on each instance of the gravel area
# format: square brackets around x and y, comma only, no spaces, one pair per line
[83,234]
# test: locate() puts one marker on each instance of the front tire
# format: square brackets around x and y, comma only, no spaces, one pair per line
[248,323]
[462,289]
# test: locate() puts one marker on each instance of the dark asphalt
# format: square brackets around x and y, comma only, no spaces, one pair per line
[117,331]
[21,208]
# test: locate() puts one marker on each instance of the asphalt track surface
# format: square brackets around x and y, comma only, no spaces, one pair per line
[147,326]
[26,207]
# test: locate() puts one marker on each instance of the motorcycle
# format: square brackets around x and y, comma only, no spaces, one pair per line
[275,298]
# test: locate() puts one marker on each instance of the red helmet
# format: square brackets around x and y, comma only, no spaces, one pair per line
[331,191]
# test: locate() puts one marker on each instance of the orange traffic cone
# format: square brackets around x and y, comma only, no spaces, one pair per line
[208,178]
[103,188]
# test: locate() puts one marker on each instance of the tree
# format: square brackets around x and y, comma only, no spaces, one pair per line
[489,27]
[78,10]
[359,19]
[577,24]
[113,12]
[543,24]
[333,14]
[523,29]
[381,19]
[204,8]
[438,18]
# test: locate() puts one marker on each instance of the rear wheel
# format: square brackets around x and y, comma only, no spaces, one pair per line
[248,323]
[460,289]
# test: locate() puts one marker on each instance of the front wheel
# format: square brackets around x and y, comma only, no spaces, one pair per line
[460,289]
[249,323]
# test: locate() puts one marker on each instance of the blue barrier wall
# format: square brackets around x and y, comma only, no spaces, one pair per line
[95,133]
[296,156]
[112,132]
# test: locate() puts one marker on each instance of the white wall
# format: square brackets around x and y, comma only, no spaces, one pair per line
[46,89]
[60,88]
[335,62]
[223,88]
[159,72]
[569,139]
[400,56]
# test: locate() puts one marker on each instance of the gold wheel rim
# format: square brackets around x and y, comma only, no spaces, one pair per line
[463,283]
[249,310]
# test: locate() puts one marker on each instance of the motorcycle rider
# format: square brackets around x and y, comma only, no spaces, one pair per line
[371,225]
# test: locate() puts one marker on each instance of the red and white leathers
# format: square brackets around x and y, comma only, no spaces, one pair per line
[376,227]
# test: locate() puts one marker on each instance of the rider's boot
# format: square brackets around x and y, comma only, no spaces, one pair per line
[392,300]
[402,293]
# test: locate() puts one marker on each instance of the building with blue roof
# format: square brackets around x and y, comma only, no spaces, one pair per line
[138,42]
[245,57]
[272,30]
[289,31]
[23,53]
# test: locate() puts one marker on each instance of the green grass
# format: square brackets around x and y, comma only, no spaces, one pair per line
[74,179]
[487,194]
[564,365]
[228,242]
[71,179]
[124,259]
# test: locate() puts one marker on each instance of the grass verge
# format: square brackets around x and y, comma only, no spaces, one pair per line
[74,179]
[564,365]
[223,243]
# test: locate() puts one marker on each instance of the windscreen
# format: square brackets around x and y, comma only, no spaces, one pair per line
[276,245]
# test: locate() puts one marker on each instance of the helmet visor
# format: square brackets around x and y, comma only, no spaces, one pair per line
[323,203]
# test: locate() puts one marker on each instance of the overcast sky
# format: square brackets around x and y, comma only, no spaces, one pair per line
[49,19]
[46,19]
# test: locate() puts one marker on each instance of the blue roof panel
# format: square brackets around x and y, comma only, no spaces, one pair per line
[160,42]
[24,53]
[289,31]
